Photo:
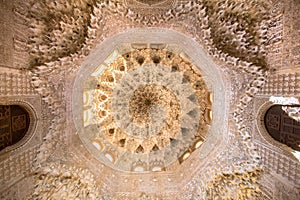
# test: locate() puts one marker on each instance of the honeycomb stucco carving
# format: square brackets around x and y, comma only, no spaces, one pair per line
[44,76]
[123,99]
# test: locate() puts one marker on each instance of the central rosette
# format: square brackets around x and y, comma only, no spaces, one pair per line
[148,107]
[146,111]
[154,104]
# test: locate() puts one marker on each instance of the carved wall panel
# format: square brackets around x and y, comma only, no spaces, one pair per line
[275,35]
[284,190]
[19,190]
[22,33]
[279,163]
[15,83]
[276,187]
[282,84]
[291,45]
[14,35]
[6,34]
[17,166]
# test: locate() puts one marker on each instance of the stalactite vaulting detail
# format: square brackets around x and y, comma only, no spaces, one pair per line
[235,34]
[150,105]
[239,184]
[56,181]
[59,28]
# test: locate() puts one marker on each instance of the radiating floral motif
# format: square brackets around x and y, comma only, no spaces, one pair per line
[148,102]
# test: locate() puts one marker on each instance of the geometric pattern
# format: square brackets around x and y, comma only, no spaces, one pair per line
[150,106]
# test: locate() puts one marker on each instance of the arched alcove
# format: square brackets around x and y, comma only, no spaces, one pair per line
[14,124]
[282,127]
[18,122]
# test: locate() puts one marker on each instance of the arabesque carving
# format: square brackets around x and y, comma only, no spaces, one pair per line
[235,33]
[147,104]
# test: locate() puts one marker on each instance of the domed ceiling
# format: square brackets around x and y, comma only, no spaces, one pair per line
[148,107]
[155,101]
[151,107]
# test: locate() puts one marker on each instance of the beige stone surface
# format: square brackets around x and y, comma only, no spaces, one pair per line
[245,51]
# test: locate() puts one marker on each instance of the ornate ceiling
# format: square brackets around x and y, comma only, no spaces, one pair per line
[151,107]
[140,93]
[149,99]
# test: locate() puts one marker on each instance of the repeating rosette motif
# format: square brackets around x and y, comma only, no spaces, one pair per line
[150,105]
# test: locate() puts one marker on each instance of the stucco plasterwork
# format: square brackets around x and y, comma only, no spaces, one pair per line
[244,99]
[234,44]
[152,37]
[151,106]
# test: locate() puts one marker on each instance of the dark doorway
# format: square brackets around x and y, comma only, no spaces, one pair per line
[14,123]
[283,128]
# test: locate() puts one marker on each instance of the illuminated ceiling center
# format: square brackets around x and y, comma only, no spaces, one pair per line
[151,108]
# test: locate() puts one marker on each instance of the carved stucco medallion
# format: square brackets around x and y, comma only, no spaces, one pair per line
[150,106]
